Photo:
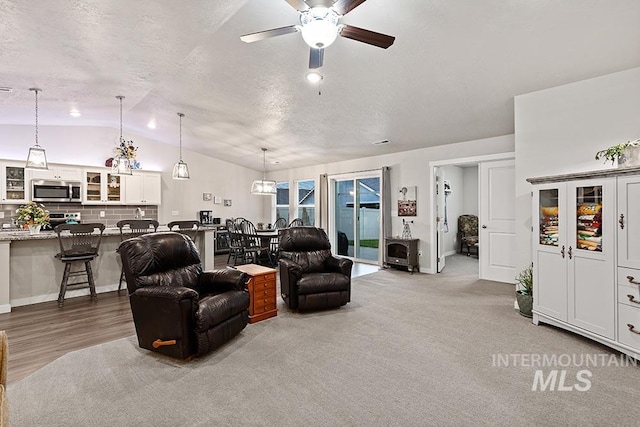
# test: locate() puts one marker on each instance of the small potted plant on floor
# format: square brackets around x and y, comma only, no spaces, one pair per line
[524,293]
[626,154]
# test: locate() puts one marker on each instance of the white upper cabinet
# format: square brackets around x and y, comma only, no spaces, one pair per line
[143,188]
[64,173]
[14,185]
[102,187]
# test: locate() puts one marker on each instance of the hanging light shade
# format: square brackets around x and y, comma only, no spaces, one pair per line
[262,186]
[121,165]
[37,158]
[180,169]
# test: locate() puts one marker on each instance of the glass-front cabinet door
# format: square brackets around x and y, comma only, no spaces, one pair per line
[590,258]
[102,187]
[14,184]
[550,250]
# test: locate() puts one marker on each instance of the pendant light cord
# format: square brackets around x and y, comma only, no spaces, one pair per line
[181,116]
[120,97]
[264,165]
[36,91]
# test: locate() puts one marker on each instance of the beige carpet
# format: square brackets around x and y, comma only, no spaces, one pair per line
[408,350]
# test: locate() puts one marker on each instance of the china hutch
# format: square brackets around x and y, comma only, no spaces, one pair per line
[586,255]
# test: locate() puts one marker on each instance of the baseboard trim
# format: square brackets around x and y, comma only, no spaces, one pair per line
[5,308]
[54,297]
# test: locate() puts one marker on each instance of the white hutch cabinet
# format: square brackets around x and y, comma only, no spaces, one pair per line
[586,243]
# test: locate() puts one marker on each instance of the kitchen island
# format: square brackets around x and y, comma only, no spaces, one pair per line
[30,273]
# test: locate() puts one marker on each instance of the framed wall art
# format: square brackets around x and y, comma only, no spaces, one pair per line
[407,201]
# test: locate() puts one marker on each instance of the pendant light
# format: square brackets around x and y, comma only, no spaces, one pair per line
[37,158]
[121,164]
[263,187]
[180,169]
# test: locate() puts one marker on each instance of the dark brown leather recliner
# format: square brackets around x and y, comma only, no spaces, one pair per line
[178,309]
[310,277]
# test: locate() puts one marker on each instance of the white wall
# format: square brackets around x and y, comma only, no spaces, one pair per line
[91,146]
[407,168]
[559,130]
[471,190]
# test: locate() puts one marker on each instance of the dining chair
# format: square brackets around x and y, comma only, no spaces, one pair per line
[296,223]
[254,245]
[274,242]
[130,228]
[236,245]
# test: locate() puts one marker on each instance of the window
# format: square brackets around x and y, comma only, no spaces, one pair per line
[306,201]
[282,201]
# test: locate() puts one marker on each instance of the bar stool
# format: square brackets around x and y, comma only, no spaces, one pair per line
[78,243]
[188,228]
[130,228]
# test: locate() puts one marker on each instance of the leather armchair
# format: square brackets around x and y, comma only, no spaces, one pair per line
[310,277]
[178,309]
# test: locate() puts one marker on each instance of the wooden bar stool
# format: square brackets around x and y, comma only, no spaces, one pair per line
[78,243]
[188,228]
[130,228]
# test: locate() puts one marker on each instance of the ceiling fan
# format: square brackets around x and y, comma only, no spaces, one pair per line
[320,26]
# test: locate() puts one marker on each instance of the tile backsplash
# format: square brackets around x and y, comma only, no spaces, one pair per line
[89,213]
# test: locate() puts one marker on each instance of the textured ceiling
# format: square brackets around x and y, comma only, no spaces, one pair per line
[450,76]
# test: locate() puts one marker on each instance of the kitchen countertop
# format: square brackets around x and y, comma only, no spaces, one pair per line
[18,235]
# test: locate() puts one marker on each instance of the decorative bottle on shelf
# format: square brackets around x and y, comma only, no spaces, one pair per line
[406,231]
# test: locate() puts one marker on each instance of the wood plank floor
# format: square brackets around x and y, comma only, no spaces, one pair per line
[40,333]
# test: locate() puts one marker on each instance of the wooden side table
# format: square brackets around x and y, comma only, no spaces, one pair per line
[262,291]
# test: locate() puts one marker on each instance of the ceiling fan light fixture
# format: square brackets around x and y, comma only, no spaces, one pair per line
[319,26]
[313,76]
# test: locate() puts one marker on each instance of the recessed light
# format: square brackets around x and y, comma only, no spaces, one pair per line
[384,141]
[5,89]
[313,76]
[151,124]
[75,113]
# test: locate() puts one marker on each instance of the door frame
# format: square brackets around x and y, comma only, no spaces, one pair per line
[373,173]
[460,161]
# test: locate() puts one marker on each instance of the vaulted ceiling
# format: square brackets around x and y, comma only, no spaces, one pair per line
[450,76]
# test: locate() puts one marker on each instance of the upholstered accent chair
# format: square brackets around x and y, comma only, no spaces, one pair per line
[310,276]
[467,232]
[178,309]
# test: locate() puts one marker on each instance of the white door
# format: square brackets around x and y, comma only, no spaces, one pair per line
[440,256]
[496,232]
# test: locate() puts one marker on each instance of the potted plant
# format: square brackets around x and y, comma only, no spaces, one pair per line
[524,294]
[32,216]
[627,154]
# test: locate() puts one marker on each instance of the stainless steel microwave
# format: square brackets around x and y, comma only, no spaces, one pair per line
[55,191]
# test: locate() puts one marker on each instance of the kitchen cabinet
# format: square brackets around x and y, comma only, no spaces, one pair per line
[14,185]
[102,187]
[143,188]
[585,258]
[58,172]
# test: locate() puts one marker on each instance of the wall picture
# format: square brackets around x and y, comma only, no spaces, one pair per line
[227,202]
[407,201]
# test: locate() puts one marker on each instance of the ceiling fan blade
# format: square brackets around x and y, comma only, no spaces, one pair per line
[267,34]
[316,58]
[298,4]
[345,6]
[367,36]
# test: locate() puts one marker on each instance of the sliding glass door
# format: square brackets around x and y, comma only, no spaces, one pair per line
[356,217]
